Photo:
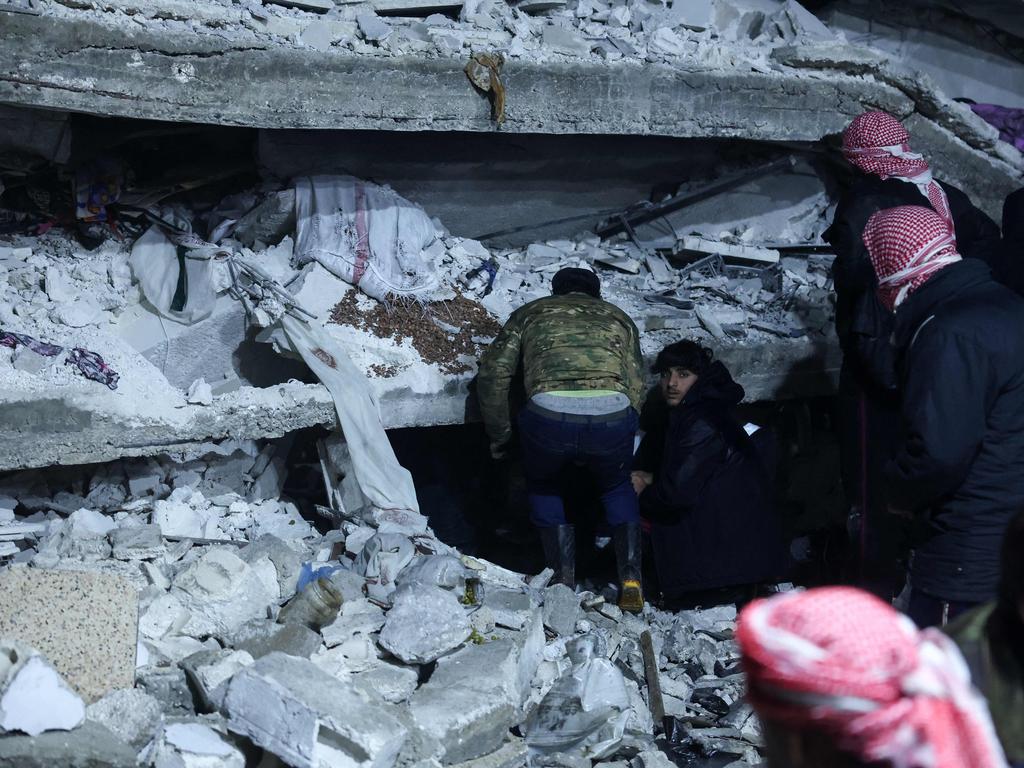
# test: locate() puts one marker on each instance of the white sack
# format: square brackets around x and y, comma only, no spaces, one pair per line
[366,234]
[154,263]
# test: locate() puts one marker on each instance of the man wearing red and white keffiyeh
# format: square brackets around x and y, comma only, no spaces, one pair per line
[839,662]
[877,143]
[907,245]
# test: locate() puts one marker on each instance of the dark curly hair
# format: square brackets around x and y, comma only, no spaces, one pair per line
[684,354]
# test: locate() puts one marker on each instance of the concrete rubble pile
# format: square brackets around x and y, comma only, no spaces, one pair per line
[374,644]
[56,291]
[723,33]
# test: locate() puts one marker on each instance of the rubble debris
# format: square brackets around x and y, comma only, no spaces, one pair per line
[291,708]
[89,746]
[129,713]
[85,624]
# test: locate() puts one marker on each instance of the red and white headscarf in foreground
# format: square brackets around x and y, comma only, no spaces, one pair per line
[842,662]
[907,245]
[876,142]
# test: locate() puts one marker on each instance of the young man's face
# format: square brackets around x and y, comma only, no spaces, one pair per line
[675,383]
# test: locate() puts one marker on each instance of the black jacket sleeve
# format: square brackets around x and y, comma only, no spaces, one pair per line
[945,402]
[690,457]
[977,236]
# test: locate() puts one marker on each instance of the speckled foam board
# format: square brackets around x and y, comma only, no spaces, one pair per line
[84,623]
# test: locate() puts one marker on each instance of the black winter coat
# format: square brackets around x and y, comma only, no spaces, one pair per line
[862,323]
[1011,267]
[713,520]
[960,465]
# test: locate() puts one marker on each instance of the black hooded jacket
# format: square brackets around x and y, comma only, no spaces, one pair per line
[713,521]
[960,465]
[862,322]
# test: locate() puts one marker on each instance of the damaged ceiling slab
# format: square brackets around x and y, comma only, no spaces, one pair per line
[84,429]
[652,70]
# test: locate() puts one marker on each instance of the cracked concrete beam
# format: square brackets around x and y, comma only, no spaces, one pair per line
[90,67]
[44,432]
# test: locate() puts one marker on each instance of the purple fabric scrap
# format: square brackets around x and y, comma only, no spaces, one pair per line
[1009,121]
[12,340]
[92,366]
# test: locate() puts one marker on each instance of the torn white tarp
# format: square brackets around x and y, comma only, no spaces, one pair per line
[383,481]
[178,283]
[366,234]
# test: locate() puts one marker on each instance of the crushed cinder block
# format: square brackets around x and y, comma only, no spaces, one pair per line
[85,624]
[357,654]
[511,754]
[130,714]
[290,708]
[373,28]
[199,393]
[286,560]
[424,623]
[35,698]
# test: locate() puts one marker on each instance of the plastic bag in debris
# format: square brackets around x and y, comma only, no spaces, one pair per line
[586,710]
[383,557]
[178,282]
[366,234]
[382,480]
[442,571]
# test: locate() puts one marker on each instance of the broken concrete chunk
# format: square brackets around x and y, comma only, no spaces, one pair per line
[510,608]
[319,6]
[195,745]
[35,697]
[290,708]
[88,746]
[131,714]
[140,542]
[357,617]
[564,41]
[168,686]
[467,722]
[561,609]
[390,682]
[221,592]
[85,624]
[209,672]
[163,615]
[424,623]
[293,639]
[199,393]
[285,559]
[373,28]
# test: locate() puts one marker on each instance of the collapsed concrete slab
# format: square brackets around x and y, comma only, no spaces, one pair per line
[37,432]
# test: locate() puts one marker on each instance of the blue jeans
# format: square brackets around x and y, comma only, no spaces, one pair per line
[604,447]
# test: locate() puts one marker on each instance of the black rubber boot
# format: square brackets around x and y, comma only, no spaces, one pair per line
[559,544]
[628,541]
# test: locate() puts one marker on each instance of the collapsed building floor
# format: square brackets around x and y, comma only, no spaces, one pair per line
[173,481]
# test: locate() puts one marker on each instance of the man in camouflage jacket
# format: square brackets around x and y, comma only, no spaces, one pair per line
[583,374]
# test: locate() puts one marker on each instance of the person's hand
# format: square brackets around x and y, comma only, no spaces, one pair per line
[641,480]
[499,451]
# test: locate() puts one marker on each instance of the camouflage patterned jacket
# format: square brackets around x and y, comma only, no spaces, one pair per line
[566,343]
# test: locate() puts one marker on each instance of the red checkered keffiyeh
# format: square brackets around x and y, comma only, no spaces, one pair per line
[876,142]
[907,245]
[841,661]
